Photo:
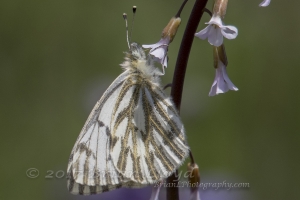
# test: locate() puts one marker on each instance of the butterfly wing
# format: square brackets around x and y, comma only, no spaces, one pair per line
[90,168]
[148,138]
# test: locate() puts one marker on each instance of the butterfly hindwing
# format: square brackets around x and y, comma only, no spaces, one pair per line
[148,136]
[168,132]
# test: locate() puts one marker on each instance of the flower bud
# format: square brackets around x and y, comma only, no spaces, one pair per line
[220,7]
[171,29]
[219,53]
[194,178]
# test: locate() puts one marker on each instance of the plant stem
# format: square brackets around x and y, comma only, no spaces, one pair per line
[179,73]
[184,51]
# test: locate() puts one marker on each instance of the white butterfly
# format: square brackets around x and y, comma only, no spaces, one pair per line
[133,136]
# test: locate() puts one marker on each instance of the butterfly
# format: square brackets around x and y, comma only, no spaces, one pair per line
[133,137]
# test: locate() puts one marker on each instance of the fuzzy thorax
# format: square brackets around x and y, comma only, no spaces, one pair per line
[138,64]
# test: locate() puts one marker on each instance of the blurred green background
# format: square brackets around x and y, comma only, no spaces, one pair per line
[58,57]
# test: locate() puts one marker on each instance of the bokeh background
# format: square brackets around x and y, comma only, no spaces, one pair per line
[58,57]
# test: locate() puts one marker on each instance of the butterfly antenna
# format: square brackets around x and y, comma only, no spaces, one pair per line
[125,18]
[134,11]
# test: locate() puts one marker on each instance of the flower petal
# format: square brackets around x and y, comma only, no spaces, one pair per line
[160,55]
[159,51]
[216,20]
[230,85]
[265,3]
[221,83]
[148,46]
[195,195]
[215,36]
[203,34]
[165,61]
[155,191]
[230,32]
[213,89]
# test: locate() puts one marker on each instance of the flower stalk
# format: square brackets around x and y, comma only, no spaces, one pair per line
[179,74]
[184,52]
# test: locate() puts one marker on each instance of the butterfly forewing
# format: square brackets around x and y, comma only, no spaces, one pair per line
[90,168]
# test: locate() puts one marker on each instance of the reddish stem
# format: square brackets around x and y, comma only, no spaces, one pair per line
[179,73]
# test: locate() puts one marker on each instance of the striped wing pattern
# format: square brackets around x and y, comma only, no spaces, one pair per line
[90,168]
[133,137]
[148,140]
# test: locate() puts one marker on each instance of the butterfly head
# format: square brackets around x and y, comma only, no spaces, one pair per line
[137,62]
[135,57]
[136,52]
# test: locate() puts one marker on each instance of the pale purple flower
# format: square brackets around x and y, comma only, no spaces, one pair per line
[265,3]
[222,83]
[194,180]
[159,51]
[195,195]
[215,31]
[155,191]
